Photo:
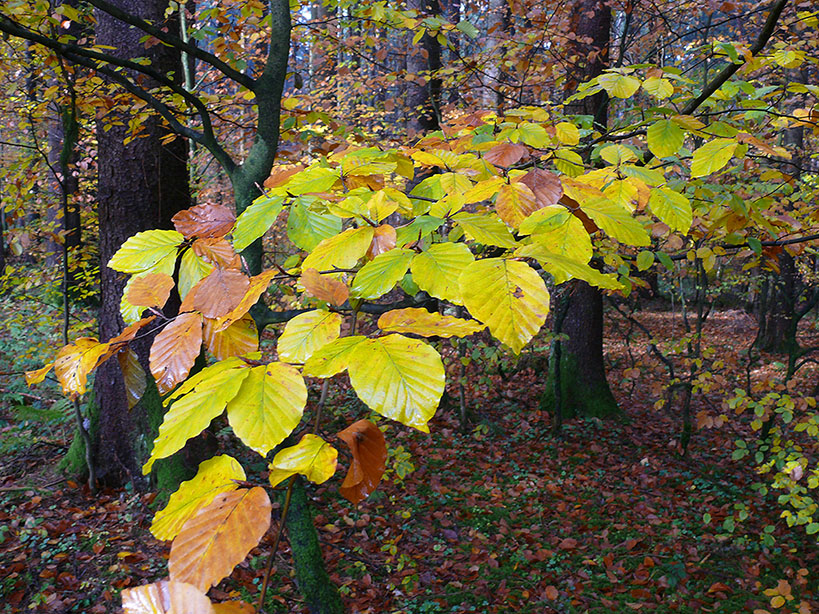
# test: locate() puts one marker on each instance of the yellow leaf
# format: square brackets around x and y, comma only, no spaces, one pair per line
[564,268]
[658,87]
[215,475]
[75,361]
[515,202]
[324,287]
[332,358]
[203,400]
[485,229]
[219,537]
[398,377]
[419,321]
[152,250]
[268,406]
[312,457]
[567,133]
[618,86]
[508,296]
[665,137]
[436,270]
[673,208]
[340,251]
[306,333]
[568,239]
[37,376]
[712,156]
[192,270]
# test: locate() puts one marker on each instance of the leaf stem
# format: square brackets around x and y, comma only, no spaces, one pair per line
[269,571]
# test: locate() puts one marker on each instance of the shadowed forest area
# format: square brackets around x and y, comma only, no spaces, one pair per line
[409,308]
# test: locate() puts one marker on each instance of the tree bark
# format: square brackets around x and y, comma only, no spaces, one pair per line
[423,61]
[141,185]
[580,370]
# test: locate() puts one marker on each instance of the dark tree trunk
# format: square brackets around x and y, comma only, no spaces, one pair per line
[423,61]
[580,370]
[141,186]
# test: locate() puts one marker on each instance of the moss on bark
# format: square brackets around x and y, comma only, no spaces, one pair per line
[580,395]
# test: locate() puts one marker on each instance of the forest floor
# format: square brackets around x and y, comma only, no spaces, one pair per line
[501,517]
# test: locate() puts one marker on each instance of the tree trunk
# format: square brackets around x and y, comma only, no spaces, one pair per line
[423,62]
[141,185]
[580,370]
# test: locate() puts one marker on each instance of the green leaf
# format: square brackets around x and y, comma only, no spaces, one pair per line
[712,156]
[672,208]
[306,228]
[341,251]
[192,413]
[268,406]
[400,378]
[437,269]
[192,270]
[508,296]
[150,251]
[380,275]
[485,229]
[311,181]
[755,245]
[619,86]
[812,528]
[644,260]
[468,29]
[256,220]
[421,227]
[665,260]
[306,333]
[214,476]
[665,138]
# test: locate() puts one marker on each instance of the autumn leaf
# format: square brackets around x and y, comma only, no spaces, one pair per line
[515,202]
[312,457]
[150,290]
[419,321]
[545,185]
[204,221]
[506,154]
[257,286]
[149,251]
[166,597]
[238,339]
[369,450]
[324,287]
[436,270]
[220,292]
[383,241]
[306,333]
[175,349]
[75,361]
[219,537]
[133,376]
[217,252]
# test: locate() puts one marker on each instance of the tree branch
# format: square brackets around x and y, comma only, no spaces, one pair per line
[174,41]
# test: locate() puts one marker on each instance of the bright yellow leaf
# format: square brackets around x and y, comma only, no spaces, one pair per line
[312,457]
[306,333]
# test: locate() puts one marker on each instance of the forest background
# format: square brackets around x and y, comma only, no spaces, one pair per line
[565,252]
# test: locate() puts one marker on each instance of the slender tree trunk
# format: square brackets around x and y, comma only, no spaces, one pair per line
[580,369]
[423,61]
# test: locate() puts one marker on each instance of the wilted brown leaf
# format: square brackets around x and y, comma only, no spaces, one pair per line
[134,376]
[369,450]
[506,154]
[219,537]
[151,290]
[383,241]
[220,292]
[324,288]
[204,221]
[175,349]
[238,339]
[545,185]
[218,252]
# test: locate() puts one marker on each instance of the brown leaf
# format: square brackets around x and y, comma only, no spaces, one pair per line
[219,537]
[324,288]
[258,284]
[383,241]
[574,207]
[545,185]
[280,175]
[151,290]
[220,292]
[165,597]
[233,607]
[369,450]
[551,592]
[175,349]
[204,221]
[506,154]
[217,252]
[238,339]
[134,376]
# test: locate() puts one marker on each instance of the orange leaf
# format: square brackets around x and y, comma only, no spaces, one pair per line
[165,598]
[324,288]
[219,537]
[505,154]
[545,185]
[258,284]
[551,593]
[238,339]
[175,349]
[280,175]
[514,203]
[204,221]
[220,292]
[383,241]
[75,361]
[369,450]
[217,252]
[151,290]
[233,607]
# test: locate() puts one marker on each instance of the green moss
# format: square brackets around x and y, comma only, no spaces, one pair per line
[73,463]
[580,397]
